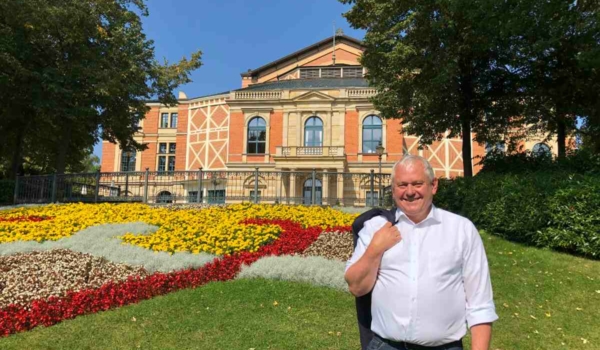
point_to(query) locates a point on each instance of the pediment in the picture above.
(314, 96)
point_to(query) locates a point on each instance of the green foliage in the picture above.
(574, 222)
(69, 68)
(555, 210)
(577, 162)
(441, 66)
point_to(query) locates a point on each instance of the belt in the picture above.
(408, 346)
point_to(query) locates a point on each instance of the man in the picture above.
(429, 274)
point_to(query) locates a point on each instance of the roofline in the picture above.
(308, 48)
(183, 100)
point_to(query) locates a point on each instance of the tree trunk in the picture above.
(17, 159)
(561, 137)
(466, 148)
(64, 143)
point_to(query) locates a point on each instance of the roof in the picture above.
(341, 38)
(300, 84)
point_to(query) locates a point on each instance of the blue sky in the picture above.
(237, 35)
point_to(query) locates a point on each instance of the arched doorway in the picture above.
(164, 197)
(307, 192)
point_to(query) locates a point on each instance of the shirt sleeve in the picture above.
(364, 238)
(477, 283)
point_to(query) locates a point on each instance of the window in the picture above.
(174, 117)
(162, 148)
(331, 72)
(164, 120)
(164, 197)
(353, 72)
(216, 196)
(162, 163)
(310, 73)
(192, 196)
(541, 150)
(372, 132)
(372, 198)
(307, 192)
(166, 158)
(257, 136)
(171, 163)
(128, 159)
(313, 132)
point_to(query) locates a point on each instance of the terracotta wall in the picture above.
(108, 157)
(275, 133)
(236, 136)
(351, 136)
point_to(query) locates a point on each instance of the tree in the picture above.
(441, 66)
(69, 68)
(558, 51)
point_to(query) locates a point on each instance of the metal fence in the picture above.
(209, 187)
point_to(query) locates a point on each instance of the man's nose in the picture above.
(410, 190)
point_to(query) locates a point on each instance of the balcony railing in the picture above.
(293, 151)
(257, 95)
(361, 93)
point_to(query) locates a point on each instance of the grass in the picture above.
(545, 299)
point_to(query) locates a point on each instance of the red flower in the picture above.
(293, 239)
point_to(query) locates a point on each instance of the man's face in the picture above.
(413, 191)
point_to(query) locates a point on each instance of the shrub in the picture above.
(574, 221)
(576, 162)
(554, 210)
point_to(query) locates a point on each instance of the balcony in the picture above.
(257, 95)
(293, 151)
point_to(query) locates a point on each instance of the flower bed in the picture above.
(293, 230)
(217, 230)
(32, 218)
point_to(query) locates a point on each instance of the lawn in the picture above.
(545, 299)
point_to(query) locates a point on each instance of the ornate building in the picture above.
(308, 110)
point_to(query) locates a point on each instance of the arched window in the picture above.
(257, 136)
(372, 134)
(307, 192)
(541, 149)
(128, 159)
(313, 132)
(164, 197)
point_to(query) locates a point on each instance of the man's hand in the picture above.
(387, 237)
(361, 276)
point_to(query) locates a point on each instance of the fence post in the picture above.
(126, 183)
(53, 195)
(372, 187)
(313, 192)
(97, 190)
(199, 194)
(16, 189)
(380, 196)
(146, 176)
(256, 185)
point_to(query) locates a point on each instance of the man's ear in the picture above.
(434, 184)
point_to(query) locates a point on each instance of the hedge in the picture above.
(556, 210)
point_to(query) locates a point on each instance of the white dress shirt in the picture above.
(433, 283)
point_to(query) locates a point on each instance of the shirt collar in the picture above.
(433, 216)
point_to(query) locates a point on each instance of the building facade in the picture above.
(307, 111)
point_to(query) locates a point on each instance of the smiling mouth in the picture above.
(410, 200)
